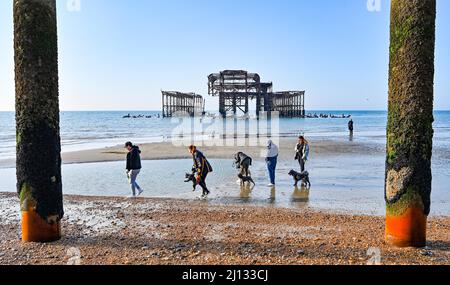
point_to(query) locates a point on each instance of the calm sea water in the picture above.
(88, 130)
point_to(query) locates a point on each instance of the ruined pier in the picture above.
(236, 88)
(182, 104)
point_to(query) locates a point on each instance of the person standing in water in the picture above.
(350, 126)
(133, 167)
(302, 152)
(202, 168)
(271, 160)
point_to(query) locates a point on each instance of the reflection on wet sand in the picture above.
(300, 197)
(273, 192)
(246, 190)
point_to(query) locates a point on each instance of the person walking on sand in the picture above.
(202, 168)
(271, 160)
(133, 168)
(302, 152)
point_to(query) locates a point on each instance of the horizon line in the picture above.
(312, 110)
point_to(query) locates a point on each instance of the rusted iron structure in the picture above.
(235, 88)
(178, 103)
(289, 104)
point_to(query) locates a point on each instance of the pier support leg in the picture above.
(37, 120)
(410, 129)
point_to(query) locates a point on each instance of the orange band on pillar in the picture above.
(36, 229)
(407, 230)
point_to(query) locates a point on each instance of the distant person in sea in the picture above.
(133, 168)
(202, 167)
(351, 126)
(271, 160)
(302, 152)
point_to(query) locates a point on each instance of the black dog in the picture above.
(245, 179)
(190, 177)
(304, 177)
(243, 162)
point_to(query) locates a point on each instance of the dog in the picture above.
(245, 179)
(190, 177)
(243, 162)
(304, 177)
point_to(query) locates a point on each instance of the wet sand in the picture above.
(164, 231)
(346, 176)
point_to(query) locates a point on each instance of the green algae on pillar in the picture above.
(410, 121)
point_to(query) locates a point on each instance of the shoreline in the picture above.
(169, 231)
(220, 203)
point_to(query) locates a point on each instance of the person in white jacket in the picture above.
(302, 152)
(271, 160)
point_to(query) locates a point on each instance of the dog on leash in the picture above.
(304, 177)
(246, 179)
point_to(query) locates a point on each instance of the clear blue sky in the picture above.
(118, 55)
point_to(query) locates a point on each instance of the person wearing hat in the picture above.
(133, 167)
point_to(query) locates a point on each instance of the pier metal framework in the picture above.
(235, 88)
(174, 102)
(289, 104)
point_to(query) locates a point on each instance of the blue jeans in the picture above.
(132, 176)
(272, 166)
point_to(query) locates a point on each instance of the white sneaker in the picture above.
(140, 191)
(270, 185)
(130, 197)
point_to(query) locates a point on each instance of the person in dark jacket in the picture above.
(202, 167)
(351, 126)
(133, 168)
